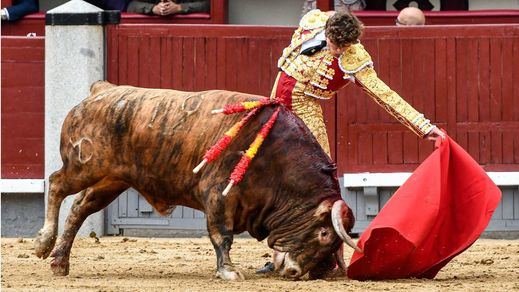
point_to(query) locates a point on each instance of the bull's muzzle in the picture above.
(286, 266)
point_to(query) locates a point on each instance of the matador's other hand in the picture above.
(435, 134)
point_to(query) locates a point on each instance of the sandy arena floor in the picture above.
(144, 264)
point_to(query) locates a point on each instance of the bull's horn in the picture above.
(338, 210)
(217, 111)
(198, 167)
(339, 257)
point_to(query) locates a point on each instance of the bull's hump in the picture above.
(99, 86)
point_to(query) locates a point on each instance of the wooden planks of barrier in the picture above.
(461, 77)
(22, 107)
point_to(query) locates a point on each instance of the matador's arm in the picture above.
(392, 102)
(357, 64)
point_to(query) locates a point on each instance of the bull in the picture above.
(151, 139)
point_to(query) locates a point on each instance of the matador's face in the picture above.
(334, 49)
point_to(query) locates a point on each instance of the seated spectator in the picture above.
(410, 16)
(168, 7)
(19, 9)
(421, 4)
(110, 4)
(339, 5)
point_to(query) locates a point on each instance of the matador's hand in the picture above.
(435, 134)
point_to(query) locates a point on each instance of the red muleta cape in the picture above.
(435, 215)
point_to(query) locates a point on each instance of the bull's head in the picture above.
(318, 249)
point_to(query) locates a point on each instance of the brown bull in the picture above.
(151, 139)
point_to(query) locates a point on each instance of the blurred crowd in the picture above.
(20, 8)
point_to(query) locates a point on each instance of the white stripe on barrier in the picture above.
(395, 179)
(22, 185)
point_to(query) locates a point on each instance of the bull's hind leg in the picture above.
(86, 203)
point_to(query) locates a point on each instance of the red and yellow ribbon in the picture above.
(222, 144)
(239, 170)
(245, 106)
(241, 167)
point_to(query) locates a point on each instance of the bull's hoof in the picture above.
(44, 243)
(60, 266)
(228, 274)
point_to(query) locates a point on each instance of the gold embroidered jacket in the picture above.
(321, 75)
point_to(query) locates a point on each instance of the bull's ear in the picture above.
(274, 244)
(324, 209)
(282, 248)
(271, 242)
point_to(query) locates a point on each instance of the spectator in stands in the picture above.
(19, 9)
(422, 4)
(410, 16)
(340, 5)
(168, 7)
(110, 4)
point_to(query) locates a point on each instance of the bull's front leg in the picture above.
(220, 227)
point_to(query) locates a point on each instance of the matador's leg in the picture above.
(312, 115)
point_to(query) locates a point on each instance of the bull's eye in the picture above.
(325, 236)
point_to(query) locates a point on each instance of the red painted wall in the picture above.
(462, 78)
(22, 107)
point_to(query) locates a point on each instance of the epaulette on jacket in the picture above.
(354, 59)
(310, 25)
(313, 19)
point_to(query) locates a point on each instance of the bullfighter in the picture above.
(324, 55)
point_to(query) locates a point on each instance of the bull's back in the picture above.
(134, 132)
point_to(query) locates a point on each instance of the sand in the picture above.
(150, 264)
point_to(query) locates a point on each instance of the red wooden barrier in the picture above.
(463, 78)
(22, 107)
(460, 77)
(32, 23)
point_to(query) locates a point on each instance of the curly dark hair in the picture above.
(343, 28)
